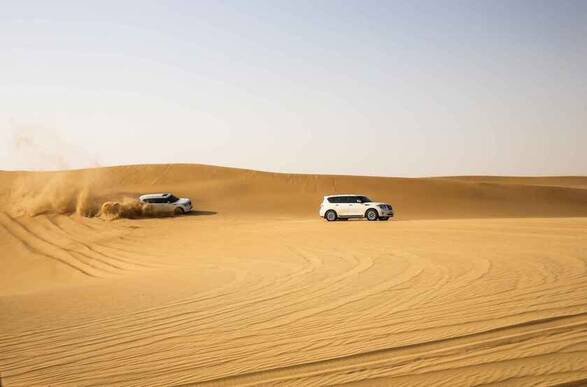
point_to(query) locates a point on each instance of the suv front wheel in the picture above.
(372, 214)
(330, 215)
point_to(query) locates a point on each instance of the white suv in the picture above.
(166, 202)
(343, 207)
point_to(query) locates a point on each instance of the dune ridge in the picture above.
(238, 191)
(479, 281)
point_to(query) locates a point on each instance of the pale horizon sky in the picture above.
(387, 88)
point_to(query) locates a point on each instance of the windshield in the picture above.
(172, 199)
(363, 199)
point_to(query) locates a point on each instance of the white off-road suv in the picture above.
(166, 202)
(343, 207)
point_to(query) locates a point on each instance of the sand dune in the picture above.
(231, 191)
(480, 280)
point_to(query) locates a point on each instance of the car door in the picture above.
(169, 207)
(345, 206)
(160, 205)
(354, 206)
(362, 205)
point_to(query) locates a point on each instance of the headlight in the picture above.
(382, 206)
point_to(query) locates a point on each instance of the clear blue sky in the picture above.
(396, 88)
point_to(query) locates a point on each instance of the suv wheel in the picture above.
(178, 211)
(330, 215)
(372, 214)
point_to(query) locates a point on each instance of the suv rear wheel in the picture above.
(372, 214)
(330, 215)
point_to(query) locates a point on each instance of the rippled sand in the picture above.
(258, 292)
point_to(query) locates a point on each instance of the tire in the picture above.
(372, 214)
(384, 218)
(330, 215)
(178, 211)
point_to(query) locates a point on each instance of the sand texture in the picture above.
(478, 281)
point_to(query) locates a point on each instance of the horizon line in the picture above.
(279, 172)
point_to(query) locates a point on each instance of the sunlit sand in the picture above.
(478, 280)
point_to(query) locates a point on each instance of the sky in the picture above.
(387, 88)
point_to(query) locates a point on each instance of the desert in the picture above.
(293, 193)
(476, 281)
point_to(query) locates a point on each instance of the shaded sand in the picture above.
(480, 280)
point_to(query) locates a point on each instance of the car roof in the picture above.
(338, 195)
(155, 195)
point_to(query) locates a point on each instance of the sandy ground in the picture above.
(479, 280)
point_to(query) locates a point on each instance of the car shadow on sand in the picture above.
(200, 213)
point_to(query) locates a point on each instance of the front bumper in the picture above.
(387, 213)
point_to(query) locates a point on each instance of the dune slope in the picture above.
(236, 191)
(481, 280)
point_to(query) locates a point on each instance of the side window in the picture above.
(350, 199)
(336, 199)
(364, 199)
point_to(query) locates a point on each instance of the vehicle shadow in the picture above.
(200, 213)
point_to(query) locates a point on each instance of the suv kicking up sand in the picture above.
(343, 207)
(166, 202)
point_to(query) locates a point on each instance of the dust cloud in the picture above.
(63, 194)
(41, 147)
